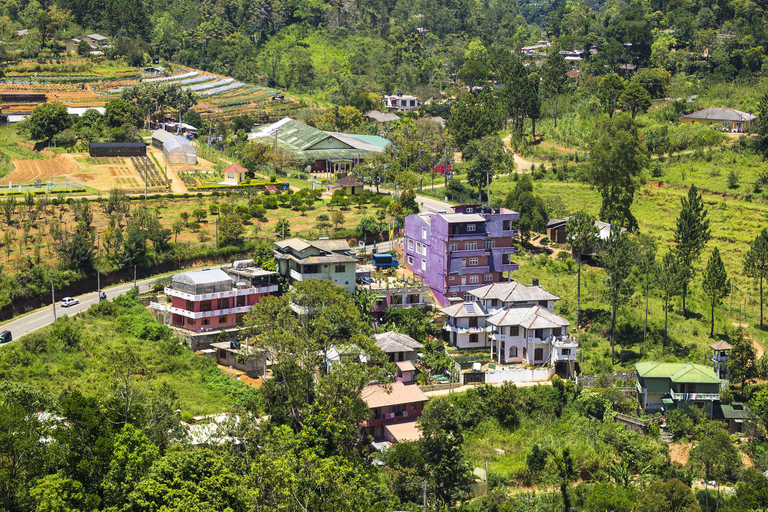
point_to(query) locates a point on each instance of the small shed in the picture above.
(177, 150)
(351, 185)
(234, 174)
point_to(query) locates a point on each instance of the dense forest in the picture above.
(345, 49)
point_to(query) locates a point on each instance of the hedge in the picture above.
(278, 184)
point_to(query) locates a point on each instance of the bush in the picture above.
(679, 424)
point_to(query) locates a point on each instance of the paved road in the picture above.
(426, 204)
(44, 316)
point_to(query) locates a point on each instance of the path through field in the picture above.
(521, 164)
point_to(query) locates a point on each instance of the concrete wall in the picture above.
(519, 375)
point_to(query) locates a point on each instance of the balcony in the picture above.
(199, 314)
(695, 397)
(466, 270)
(461, 253)
(236, 292)
(378, 308)
(465, 330)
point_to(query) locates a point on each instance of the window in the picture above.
(468, 297)
(418, 247)
(473, 338)
(557, 332)
(470, 246)
(223, 319)
(423, 264)
(506, 259)
(424, 233)
(240, 301)
(469, 210)
(223, 304)
(474, 279)
(473, 321)
(471, 227)
(410, 260)
(190, 306)
(418, 406)
(566, 352)
(453, 246)
(473, 262)
(506, 225)
(451, 278)
(513, 352)
(310, 269)
(538, 354)
(514, 330)
(543, 303)
(206, 321)
(488, 277)
(340, 268)
(494, 303)
(205, 305)
(231, 175)
(424, 249)
(190, 321)
(410, 244)
(489, 244)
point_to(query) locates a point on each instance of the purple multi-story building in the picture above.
(454, 253)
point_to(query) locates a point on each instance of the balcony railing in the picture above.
(235, 292)
(464, 330)
(689, 397)
(384, 307)
(199, 314)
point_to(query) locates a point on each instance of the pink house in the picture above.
(395, 411)
(208, 300)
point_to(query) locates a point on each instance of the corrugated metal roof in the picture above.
(721, 114)
(392, 341)
(454, 218)
(461, 310)
(202, 276)
(678, 372)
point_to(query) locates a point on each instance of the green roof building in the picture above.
(673, 385)
(328, 151)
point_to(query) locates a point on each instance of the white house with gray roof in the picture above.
(300, 260)
(497, 296)
(532, 335)
(466, 326)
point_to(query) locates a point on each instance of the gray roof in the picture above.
(604, 228)
(381, 117)
(392, 341)
(299, 244)
(454, 218)
(534, 317)
(97, 37)
(513, 292)
(721, 114)
(202, 276)
(465, 310)
(163, 135)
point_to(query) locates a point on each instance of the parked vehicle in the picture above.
(69, 301)
(5, 337)
(385, 261)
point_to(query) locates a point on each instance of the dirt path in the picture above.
(759, 349)
(521, 164)
(177, 185)
(679, 452)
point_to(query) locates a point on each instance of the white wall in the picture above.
(519, 375)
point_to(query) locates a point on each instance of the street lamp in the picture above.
(53, 298)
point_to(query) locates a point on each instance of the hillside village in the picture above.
(369, 257)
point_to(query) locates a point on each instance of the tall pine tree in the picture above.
(617, 256)
(691, 235)
(756, 264)
(669, 278)
(716, 285)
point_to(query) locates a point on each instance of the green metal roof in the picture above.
(678, 372)
(373, 139)
(735, 411)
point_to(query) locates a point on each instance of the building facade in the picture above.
(672, 385)
(454, 253)
(401, 102)
(505, 295)
(208, 300)
(466, 326)
(332, 260)
(394, 411)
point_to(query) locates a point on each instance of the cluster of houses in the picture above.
(460, 263)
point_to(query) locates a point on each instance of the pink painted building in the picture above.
(209, 300)
(394, 411)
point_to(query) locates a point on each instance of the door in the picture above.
(463, 280)
(538, 354)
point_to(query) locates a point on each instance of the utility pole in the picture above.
(98, 254)
(425, 495)
(134, 278)
(53, 298)
(488, 186)
(216, 225)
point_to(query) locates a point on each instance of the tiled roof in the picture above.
(513, 291)
(534, 317)
(407, 431)
(377, 395)
(392, 341)
(678, 372)
(235, 168)
(405, 366)
(720, 345)
(349, 181)
(465, 310)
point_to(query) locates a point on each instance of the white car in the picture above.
(69, 301)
